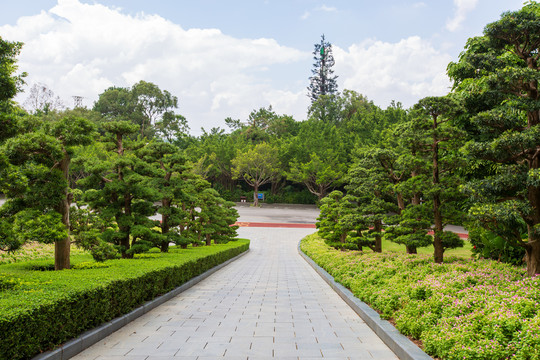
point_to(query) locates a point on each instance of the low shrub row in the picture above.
(42, 309)
(461, 309)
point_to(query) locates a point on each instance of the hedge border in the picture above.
(91, 337)
(404, 348)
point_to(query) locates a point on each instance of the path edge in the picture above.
(404, 348)
(91, 337)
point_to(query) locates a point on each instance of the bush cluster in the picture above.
(42, 309)
(460, 309)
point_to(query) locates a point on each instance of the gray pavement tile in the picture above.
(269, 304)
(165, 351)
(215, 349)
(272, 358)
(325, 357)
(127, 344)
(121, 357)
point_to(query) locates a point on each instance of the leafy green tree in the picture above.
(257, 165)
(319, 158)
(372, 186)
(409, 172)
(498, 76)
(323, 82)
(116, 190)
(216, 217)
(146, 105)
(441, 139)
(10, 83)
(115, 104)
(362, 123)
(327, 108)
(41, 161)
(154, 104)
(213, 153)
(167, 173)
(336, 221)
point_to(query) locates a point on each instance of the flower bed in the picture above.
(40, 309)
(461, 309)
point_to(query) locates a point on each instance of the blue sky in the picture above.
(226, 58)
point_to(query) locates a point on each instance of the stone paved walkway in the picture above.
(268, 304)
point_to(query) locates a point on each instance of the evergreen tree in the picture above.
(498, 75)
(323, 82)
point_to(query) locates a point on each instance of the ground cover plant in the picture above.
(40, 309)
(459, 309)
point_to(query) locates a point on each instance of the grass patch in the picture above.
(464, 252)
(36, 251)
(42, 309)
(461, 309)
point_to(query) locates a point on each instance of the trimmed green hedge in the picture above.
(42, 309)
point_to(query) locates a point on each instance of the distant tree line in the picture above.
(470, 157)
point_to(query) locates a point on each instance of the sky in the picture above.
(227, 58)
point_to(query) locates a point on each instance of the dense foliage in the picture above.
(459, 309)
(41, 309)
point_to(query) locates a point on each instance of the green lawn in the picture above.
(464, 252)
(37, 251)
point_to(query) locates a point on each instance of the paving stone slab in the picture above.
(268, 304)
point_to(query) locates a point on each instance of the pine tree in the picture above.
(323, 82)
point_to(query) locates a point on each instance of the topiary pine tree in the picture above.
(323, 82)
(498, 74)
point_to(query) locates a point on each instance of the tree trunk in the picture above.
(411, 249)
(322, 192)
(62, 247)
(378, 238)
(256, 195)
(208, 240)
(400, 202)
(124, 242)
(416, 196)
(437, 216)
(532, 257)
(276, 186)
(532, 248)
(165, 203)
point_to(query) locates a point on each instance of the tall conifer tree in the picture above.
(323, 82)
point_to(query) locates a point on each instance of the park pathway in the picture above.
(268, 304)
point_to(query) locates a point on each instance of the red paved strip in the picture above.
(275, 225)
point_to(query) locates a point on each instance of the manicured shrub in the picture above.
(460, 309)
(42, 309)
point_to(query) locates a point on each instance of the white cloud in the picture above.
(327, 8)
(81, 49)
(404, 71)
(462, 7)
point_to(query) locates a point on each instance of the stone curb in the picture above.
(404, 348)
(90, 337)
